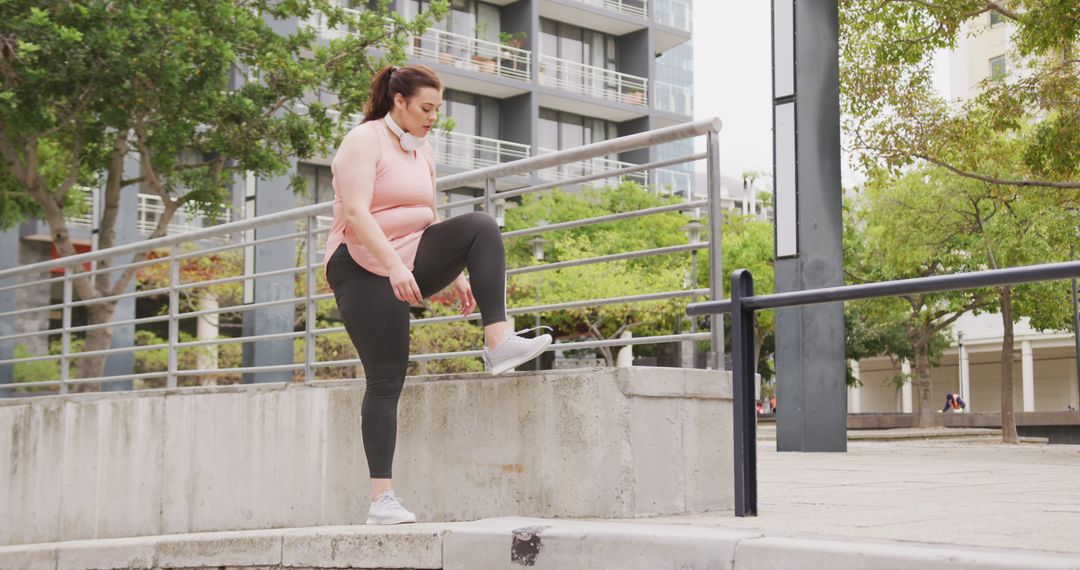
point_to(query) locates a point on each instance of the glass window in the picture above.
(570, 45)
(573, 131)
(487, 22)
(997, 67)
(319, 179)
(995, 17)
(549, 129)
(549, 38)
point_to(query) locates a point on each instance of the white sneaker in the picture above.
(515, 350)
(388, 509)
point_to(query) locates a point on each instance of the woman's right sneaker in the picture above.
(388, 509)
(515, 350)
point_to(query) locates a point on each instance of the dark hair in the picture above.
(393, 79)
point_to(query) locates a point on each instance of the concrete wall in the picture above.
(623, 442)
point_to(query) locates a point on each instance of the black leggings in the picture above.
(378, 323)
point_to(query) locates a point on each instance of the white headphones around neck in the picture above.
(409, 142)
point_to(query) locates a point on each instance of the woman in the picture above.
(387, 249)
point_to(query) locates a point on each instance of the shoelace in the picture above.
(393, 503)
(532, 329)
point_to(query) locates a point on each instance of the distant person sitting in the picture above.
(954, 403)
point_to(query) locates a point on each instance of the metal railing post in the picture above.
(716, 266)
(174, 312)
(744, 406)
(309, 304)
(489, 196)
(65, 334)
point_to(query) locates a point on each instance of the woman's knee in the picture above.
(482, 221)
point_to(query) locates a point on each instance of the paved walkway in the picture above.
(974, 493)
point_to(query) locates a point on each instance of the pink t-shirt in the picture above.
(401, 202)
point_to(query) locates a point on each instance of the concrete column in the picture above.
(207, 329)
(1028, 375)
(854, 395)
(625, 357)
(965, 377)
(273, 195)
(126, 232)
(905, 392)
(9, 257)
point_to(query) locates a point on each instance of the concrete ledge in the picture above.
(609, 443)
(515, 542)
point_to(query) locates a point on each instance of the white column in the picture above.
(854, 395)
(625, 356)
(965, 377)
(206, 328)
(905, 393)
(1029, 376)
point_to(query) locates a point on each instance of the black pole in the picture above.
(744, 406)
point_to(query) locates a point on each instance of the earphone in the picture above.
(409, 142)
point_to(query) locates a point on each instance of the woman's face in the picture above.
(418, 114)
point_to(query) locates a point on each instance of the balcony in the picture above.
(594, 82)
(149, 211)
(676, 22)
(637, 8)
(615, 17)
(673, 98)
(468, 152)
(472, 54)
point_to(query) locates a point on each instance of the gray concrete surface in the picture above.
(883, 504)
(978, 494)
(624, 443)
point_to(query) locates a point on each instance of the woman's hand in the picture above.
(464, 291)
(404, 285)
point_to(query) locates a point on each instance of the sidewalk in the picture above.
(883, 504)
(973, 493)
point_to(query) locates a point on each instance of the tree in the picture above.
(894, 117)
(197, 92)
(594, 281)
(901, 242)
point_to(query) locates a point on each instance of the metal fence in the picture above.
(307, 225)
(743, 303)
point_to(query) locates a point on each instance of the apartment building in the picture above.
(1044, 363)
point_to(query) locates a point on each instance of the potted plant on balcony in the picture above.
(514, 40)
(634, 95)
(480, 61)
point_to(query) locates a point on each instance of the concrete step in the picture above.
(513, 542)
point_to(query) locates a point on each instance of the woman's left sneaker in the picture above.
(388, 509)
(515, 350)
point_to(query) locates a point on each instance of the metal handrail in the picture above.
(308, 218)
(743, 303)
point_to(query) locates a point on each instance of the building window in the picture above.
(580, 45)
(997, 67)
(320, 187)
(995, 18)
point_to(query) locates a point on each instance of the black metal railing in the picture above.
(743, 303)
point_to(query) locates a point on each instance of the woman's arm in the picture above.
(354, 168)
(430, 152)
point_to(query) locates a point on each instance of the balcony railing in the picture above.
(637, 8)
(150, 209)
(593, 81)
(473, 54)
(470, 151)
(674, 98)
(674, 13)
(588, 168)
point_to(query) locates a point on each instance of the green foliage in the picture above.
(895, 117)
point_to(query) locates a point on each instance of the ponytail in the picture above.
(393, 79)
